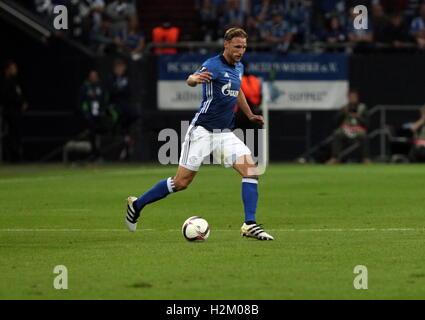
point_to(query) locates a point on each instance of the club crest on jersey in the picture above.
(225, 90)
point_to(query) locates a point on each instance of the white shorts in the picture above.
(199, 143)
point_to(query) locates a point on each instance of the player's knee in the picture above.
(251, 172)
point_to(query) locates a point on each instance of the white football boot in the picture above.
(255, 231)
(132, 215)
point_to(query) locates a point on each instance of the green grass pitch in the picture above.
(326, 220)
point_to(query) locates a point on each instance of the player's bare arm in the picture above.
(197, 78)
(243, 104)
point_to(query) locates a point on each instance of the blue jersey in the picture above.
(219, 95)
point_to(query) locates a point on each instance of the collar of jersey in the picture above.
(225, 62)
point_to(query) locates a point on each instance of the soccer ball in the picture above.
(196, 229)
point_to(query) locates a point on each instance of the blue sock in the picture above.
(250, 198)
(160, 191)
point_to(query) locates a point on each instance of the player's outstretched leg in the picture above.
(135, 205)
(162, 189)
(249, 172)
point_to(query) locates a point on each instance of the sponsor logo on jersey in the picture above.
(225, 90)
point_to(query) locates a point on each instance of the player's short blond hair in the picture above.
(235, 33)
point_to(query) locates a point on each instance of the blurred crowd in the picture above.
(281, 23)
(101, 24)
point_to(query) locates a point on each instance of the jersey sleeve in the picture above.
(208, 66)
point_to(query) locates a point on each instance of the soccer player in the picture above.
(221, 78)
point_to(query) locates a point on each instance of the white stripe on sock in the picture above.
(170, 185)
(250, 180)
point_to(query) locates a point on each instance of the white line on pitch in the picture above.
(68, 230)
(214, 230)
(29, 179)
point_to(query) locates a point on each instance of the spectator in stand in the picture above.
(134, 42)
(299, 14)
(207, 18)
(220, 5)
(323, 10)
(102, 39)
(279, 33)
(253, 29)
(277, 6)
(233, 16)
(166, 33)
(97, 8)
(245, 7)
(417, 153)
(417, 28)
(379, 21)
(334, 34)
(257, 7)
(396, 33)
(262, 12)
(14, 105)
(120, 12)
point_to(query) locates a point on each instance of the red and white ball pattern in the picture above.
(196, 229)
